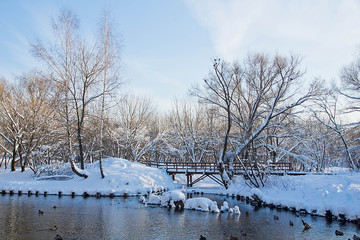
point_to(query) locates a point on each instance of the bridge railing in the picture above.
(181, 166)
(280, 166)
(212, 167)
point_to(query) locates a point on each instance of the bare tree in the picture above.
(83, 89)
(26, 113)
(134, 117)
(61, 60)
(110, 53)
(38, 104)
(318, 142)
(11, 130)
(84, 74)
(254, 96)
(189, 124)
(328, 106)
(220, 90)
(350, 89)
(350, 80)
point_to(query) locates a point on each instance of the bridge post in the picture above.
(189, 180)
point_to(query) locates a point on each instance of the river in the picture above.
(126, 218)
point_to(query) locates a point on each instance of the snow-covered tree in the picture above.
(195, 130)
(131, 131)
(61, 58)
(110, 80)
(350, 84)
(330, 119)
(84, 72)
(254, 97)
(26, 115)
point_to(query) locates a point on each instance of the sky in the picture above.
(168, 46)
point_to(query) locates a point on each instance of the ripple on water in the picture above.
(119, 218)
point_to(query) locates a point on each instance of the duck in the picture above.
(306, 225)
(339, 233)
(276, 217)
(41, 212)
(54, 207)
(202, 237)
(58, 237)
(291, 223)
(243, 233)
(356, 237)
(53, 228)
(233, 237)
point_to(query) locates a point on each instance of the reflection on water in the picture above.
(119, 218)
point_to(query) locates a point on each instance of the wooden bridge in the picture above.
(211, 169)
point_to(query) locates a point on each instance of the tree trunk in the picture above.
(4, 159)
(74, 169)
(22, 163)
(101, 167)
(350, 159)
(13, 161)
(22, 160)
(81, 151)
(103, 96)
(221, 165)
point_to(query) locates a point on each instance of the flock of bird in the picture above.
(54, 228)
(291, 223)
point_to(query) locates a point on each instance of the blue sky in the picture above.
(168, 45)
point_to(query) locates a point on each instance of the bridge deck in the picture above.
(211, 169)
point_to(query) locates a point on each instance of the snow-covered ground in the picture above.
(339, 193)
(122, 177)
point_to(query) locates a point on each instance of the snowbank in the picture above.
(122, 178)
(165, 199)
(338, 193)
(153, 200)
(172, 196)
(224, 207)
(201, 204)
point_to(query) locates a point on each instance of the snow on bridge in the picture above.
(211, 169)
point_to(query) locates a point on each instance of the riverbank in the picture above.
(123, 178)
(338, 193)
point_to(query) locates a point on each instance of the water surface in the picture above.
(126, 218)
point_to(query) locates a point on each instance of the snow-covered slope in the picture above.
(338, 193)
(122, 177)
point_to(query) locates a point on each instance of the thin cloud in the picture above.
(41, 16)
(17, 47)
(324, 32)
(226, 21)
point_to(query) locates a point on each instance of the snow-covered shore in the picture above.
(339, 193)
(122, 178)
